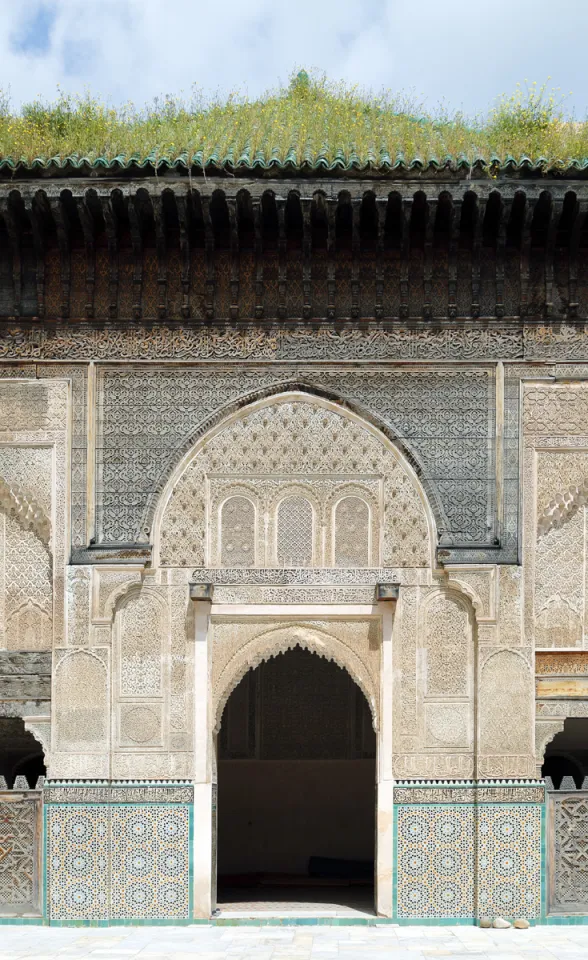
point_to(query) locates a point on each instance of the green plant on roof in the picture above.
(311, 122)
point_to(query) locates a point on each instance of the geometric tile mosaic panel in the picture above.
(18, 851)
(77, 861)
(150, 856)
(435, 861)
(509, 860)
(461, 861)
(118, 861)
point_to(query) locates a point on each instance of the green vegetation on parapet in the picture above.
(311, 126)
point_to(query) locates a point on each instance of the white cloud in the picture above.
(135, 49)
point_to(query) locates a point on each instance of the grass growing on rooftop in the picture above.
(310, 119)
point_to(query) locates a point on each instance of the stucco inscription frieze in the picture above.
(435, 765)
(370, 341)
(562, 664)
(478, 792)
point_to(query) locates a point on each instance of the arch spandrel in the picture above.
(294, 438)
(241, 644)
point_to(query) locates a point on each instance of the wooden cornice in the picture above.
(305, 249)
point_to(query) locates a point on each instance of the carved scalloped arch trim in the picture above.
(562, 508)
(77, 652)
(451, 592)
(545, 732)
(506, 650)
(279, 640)
(351, 489)
(464, 590)
(115, 599)
(17, 503)
(40, 728)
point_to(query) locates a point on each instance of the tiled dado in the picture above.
(469, 855)
(127, 858)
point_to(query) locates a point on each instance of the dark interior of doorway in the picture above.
(296, 791)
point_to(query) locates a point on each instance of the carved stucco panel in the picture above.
(448, 725)
(545, 731)
(560, 709)
(156, 766)
(34, 477)
(82, 766)
(27, 588)
(152, 682)
(142, 642)
(560, 585)
(405, 638)
(510, 605)
(435, 766)
(140, 724)
(552, 408)
(40, 727)
(24, 405)
(286, 439)
(506, 712)
(181, 647)
(557, 472)
(448, 646)
(78, 584)
(81, 702)
(442, 414)
(554, 526)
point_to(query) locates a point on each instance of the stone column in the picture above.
(387, 595)
(203, 786)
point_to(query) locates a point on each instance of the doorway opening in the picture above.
(296, 791)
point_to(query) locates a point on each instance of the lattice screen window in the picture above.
(352, 533)
(238, 533)
(295, 523)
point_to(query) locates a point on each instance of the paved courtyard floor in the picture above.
(293, 943)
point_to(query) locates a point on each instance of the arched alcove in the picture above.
(296, 767)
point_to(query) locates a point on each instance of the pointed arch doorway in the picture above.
(296, 800)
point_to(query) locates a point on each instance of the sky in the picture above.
(463, 54)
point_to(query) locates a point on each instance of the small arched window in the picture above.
(238, 533)
(295, 523)
(352, 533)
